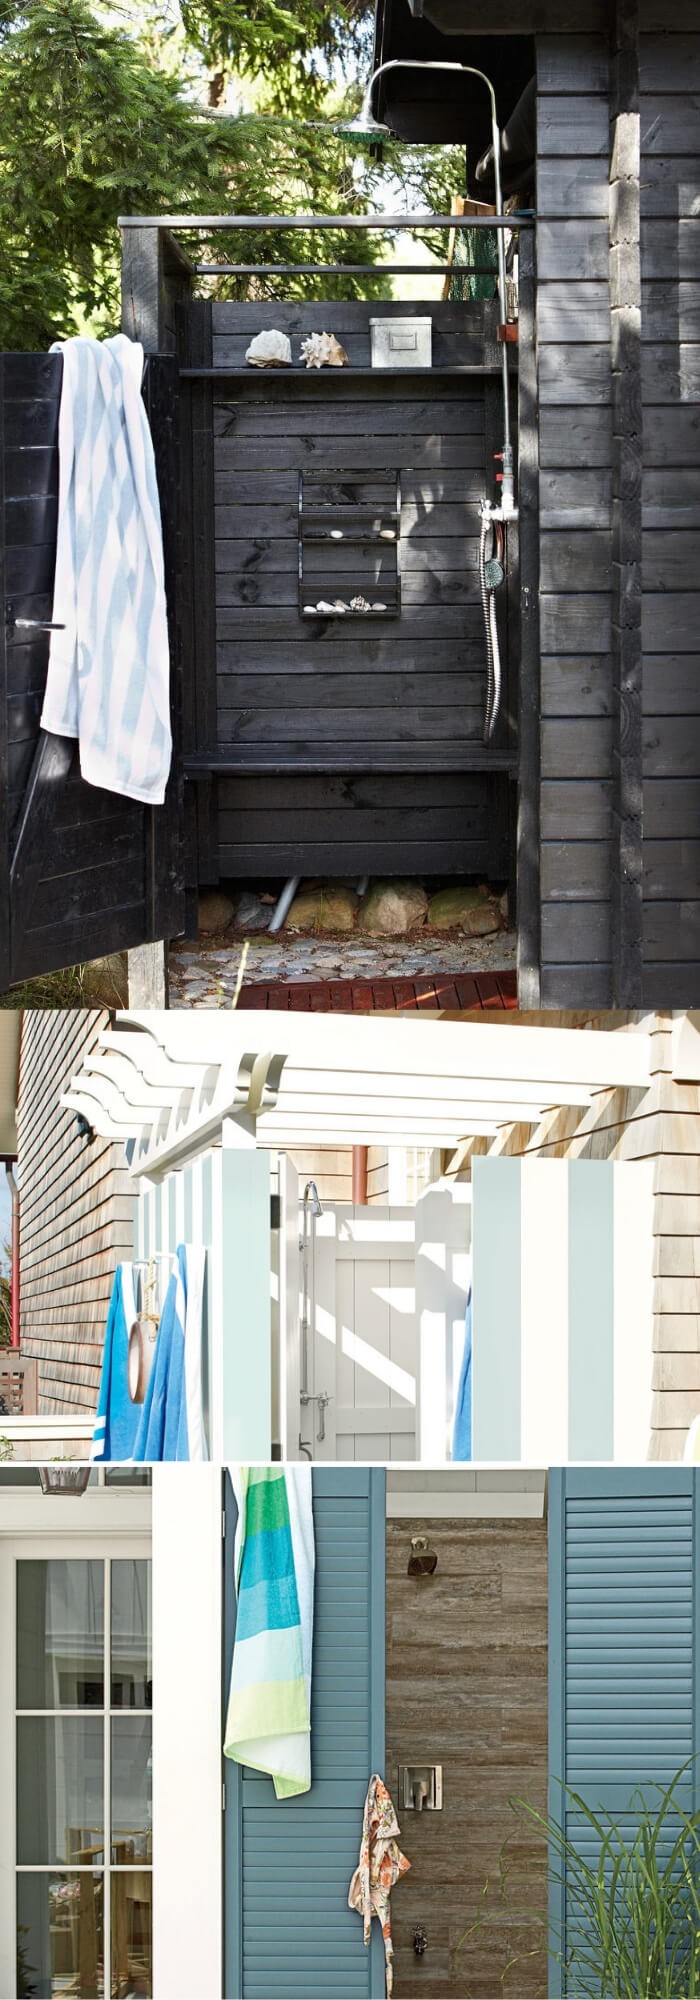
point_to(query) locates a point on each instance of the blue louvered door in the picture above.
(288, 1863)
(624, 1561)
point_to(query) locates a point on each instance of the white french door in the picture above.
(76, 1846)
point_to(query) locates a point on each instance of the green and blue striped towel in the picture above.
(268, 1724)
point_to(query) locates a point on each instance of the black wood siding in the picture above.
(670, 225)
(96, 873)
(574, 375)
(358, 743)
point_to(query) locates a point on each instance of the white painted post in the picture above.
(187, 1732)
(443, 1268)
(242, 1309)
(288, 1308)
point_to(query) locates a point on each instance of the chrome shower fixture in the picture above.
(311, 1199)
(422, 1560)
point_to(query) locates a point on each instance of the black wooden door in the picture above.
(82, 871)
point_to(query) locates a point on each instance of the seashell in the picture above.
(340, 605)
(378, 607)
(323, 606)
(322, 350)
(359, 604)
(270, 349)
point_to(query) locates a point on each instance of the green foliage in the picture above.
(92, 126)
(294, 45)
(633, 1896)
(87, 128)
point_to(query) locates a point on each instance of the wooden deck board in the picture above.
(452, 992)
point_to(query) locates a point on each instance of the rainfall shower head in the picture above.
(422, 1560)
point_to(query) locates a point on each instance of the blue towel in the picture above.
(462, 1433)
(163, 1430)
(117, 1417)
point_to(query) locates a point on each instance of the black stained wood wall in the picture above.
(82, 871)
(356, 746)
(575, 443)
(579, 730)
(670, 236)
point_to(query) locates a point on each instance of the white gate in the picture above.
(364, 1344)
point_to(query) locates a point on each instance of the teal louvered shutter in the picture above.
(624, 1554)
(288, 1862)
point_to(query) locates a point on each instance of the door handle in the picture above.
(30, 624)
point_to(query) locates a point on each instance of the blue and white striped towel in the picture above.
(109, 672)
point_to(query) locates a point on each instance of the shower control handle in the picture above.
(420, 1787)
(323, 1400)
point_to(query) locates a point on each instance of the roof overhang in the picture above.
(429, 108)
(171, 1081)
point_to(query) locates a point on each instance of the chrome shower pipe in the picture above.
(367, 122)
(311, 1206)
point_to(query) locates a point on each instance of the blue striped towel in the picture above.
(268, 1723)
(109, 672)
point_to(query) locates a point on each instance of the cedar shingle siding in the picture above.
(76, 1215)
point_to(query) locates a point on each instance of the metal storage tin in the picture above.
(401, 343)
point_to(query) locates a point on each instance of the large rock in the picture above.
(482, 921)
(449, 908)
(390, 909)
(251, 913)
(332, 908)
(215, 911)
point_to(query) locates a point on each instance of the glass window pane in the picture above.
(60, 1634)
(60, 1788)
(131, 1788)
(59, 1936)
(131, 1634)
(131, 1935)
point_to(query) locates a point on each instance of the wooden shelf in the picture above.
(352, 760)
(314, 375)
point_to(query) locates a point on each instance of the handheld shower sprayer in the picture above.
(495, 513)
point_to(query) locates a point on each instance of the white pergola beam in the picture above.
(463, 1049)
(171, 1081)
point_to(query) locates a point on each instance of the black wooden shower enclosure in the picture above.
(303, 744)
(346, 745)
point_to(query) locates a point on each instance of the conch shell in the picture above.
(270, 349)
(322, 350)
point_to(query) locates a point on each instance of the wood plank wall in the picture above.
(401, 702)
(584, 728)
(670, 228)
(574, 373)
(76, 1215)
(466, 1687)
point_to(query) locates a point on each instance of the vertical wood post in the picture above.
(144, 319)
(625, 322)
(528, 824)
(242, 1317)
